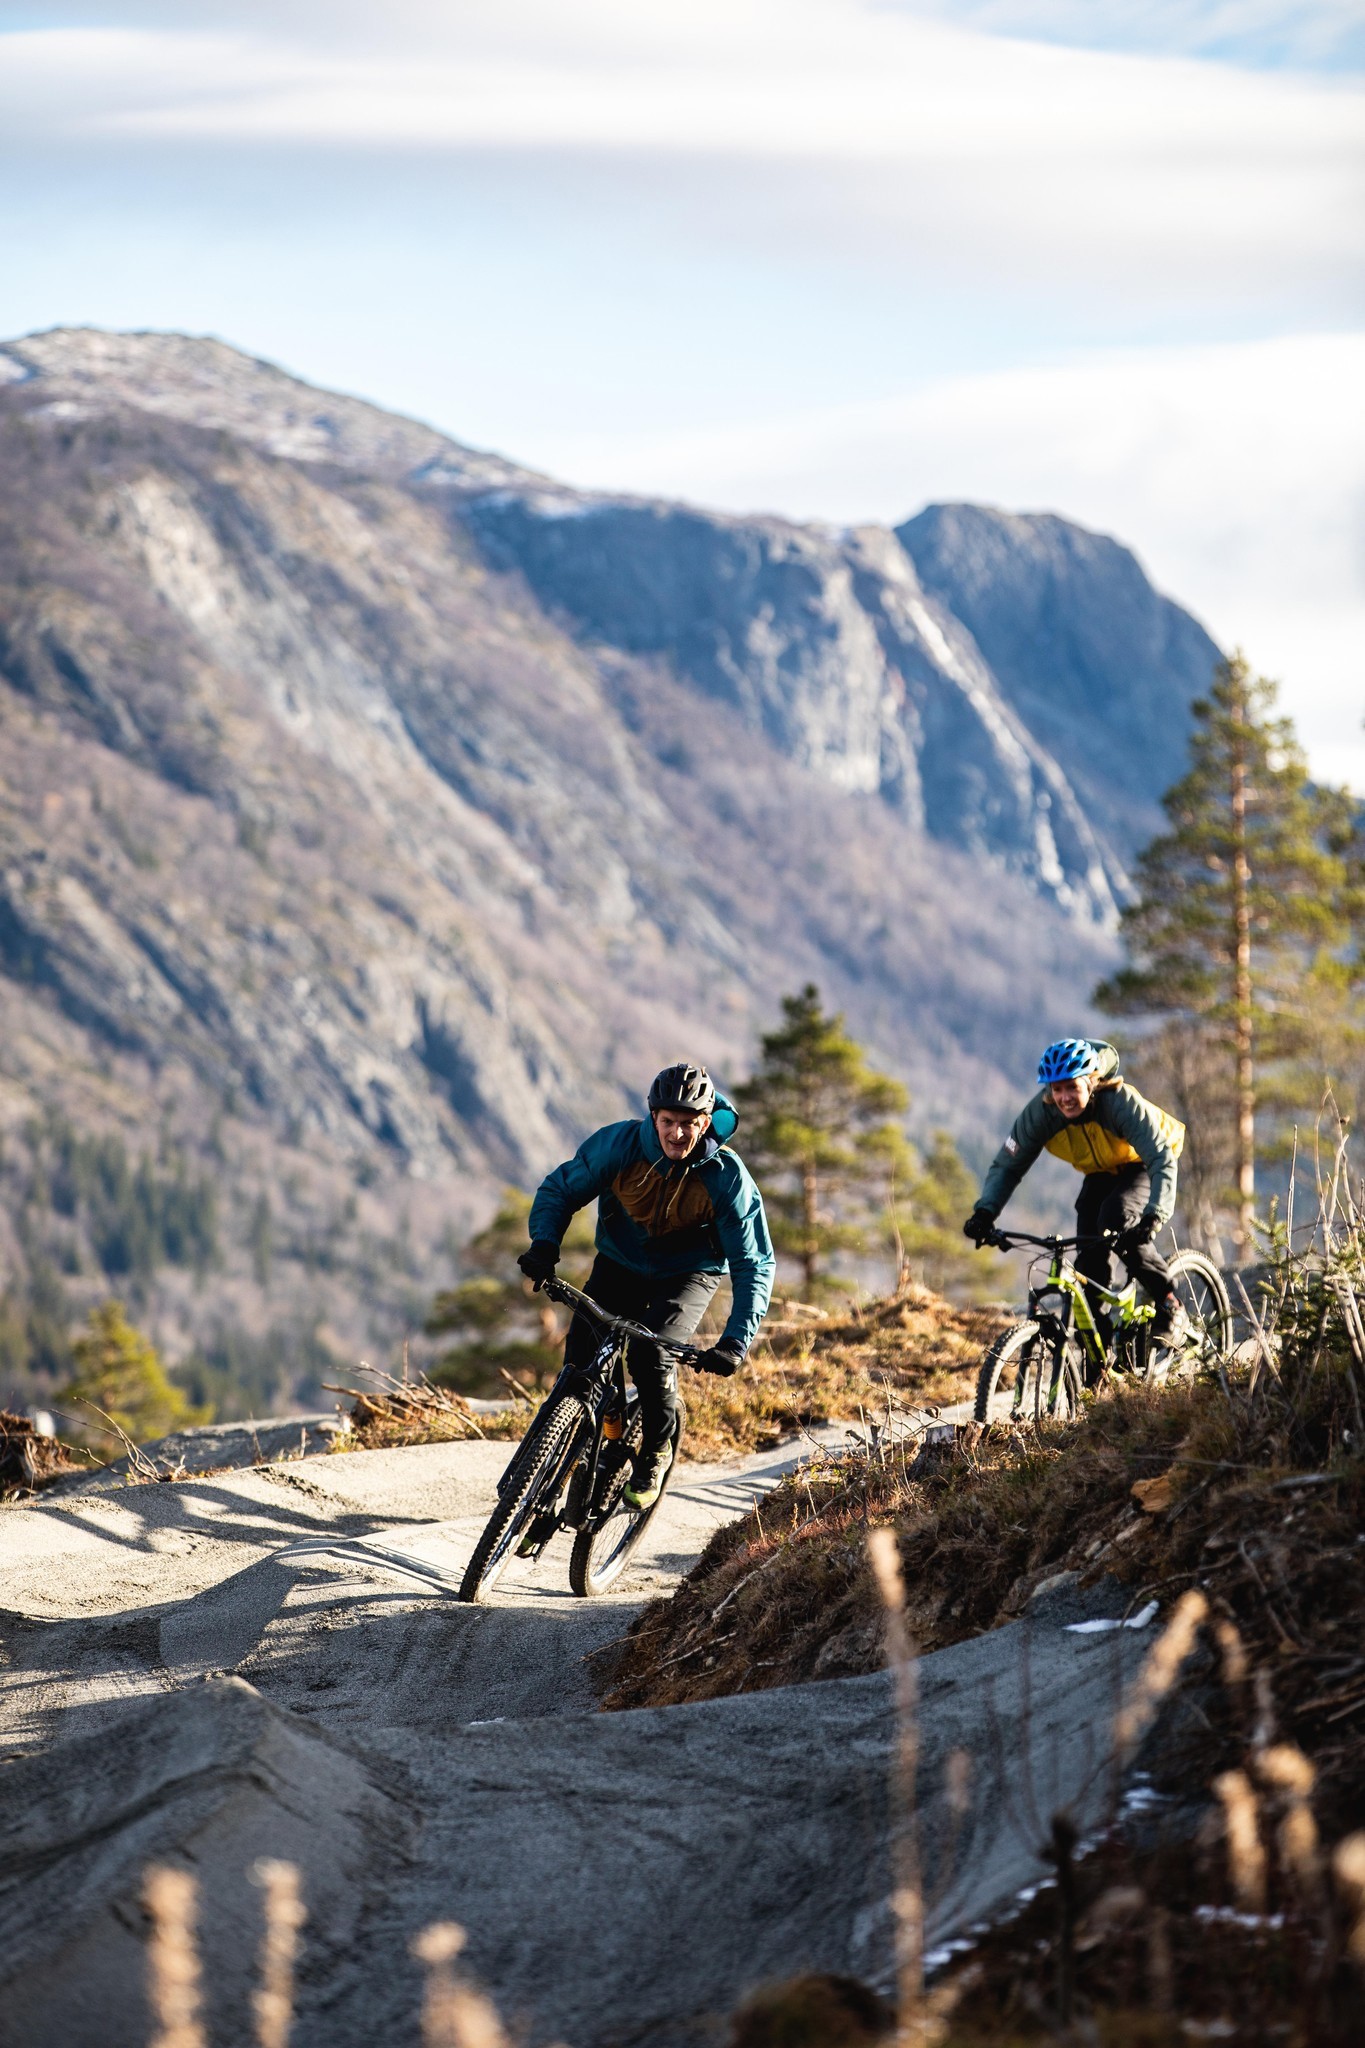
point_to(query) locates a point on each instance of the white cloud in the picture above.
(1238, 473)
(1156, 183)
(798, 78)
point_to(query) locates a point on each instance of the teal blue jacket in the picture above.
(657, 1217)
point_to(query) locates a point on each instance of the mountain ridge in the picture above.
(376, 815)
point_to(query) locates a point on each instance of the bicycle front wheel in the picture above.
(1027, 1377)
(602, 1550)
(1204, 1295)
(536, 1468)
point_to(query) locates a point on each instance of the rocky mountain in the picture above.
(375, 815)
(1094, 661)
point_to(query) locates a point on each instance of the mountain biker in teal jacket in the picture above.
(675, 1208)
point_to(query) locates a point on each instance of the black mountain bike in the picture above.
(571, 1468)
(1038, 1367)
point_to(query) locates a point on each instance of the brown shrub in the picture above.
(810, 1367)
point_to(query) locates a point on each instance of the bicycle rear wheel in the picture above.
(538, 1465)
(602, 1550)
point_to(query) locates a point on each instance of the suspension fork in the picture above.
(612, 1384)
(1086, 1327)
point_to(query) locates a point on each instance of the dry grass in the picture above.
(1163, 1952)
(396, 1413)
(1256, 1494)
(811, 1367)
(1241, 1503)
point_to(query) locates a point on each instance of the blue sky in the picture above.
(829, 257)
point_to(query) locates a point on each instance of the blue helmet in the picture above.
(1067, 1059)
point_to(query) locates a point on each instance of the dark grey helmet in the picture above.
(685, 1087)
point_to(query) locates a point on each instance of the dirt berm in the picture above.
(272, 1663)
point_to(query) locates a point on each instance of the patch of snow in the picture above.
(1094, 1628)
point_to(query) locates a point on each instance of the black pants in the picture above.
(1111, 1201)
(672, 1306)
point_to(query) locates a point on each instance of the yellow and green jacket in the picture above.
(702, 1215)
(1118, 1128)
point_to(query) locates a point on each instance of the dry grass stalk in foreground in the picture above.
(454, 2014)
(273, 2002)
(171, 1898)
(907, 1897)
(1160, 1669)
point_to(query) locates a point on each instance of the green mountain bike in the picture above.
(571, 1469)
(1039, 1366)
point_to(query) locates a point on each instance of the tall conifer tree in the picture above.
(819, 1130)
(1234, 902)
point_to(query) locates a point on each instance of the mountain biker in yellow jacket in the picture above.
(1127, 1150)
(676, 1208)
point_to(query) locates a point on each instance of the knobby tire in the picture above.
(1014, 1350)
(531, 1467)
(1203, 1291)
(1043, 1381)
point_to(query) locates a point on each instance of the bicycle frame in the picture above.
(570, 1469)
(599, 1386)
(1063, 1279)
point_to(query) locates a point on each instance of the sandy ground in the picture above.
(273, 1662)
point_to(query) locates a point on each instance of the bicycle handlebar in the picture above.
(573, 1297)
(1005, 1241)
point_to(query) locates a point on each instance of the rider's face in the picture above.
(679, 1132)
(1071, 1097)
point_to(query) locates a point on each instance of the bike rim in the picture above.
(612, 1543)
(1203, 1305)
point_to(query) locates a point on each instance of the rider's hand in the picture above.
(1136, 1235)
(723, 1359)
(979, 1227)
(538, 1262)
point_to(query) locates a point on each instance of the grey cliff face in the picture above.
(375, 816)
(1097, 663)
(828, 645)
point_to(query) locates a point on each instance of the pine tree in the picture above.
(1236, 903)
(119, 1374)
(499, 1324)
(925, 1222)
(818, 1128)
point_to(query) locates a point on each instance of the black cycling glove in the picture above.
(1137, 1235)
(979, 1227)
(538, 1261)
(723, 1359)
